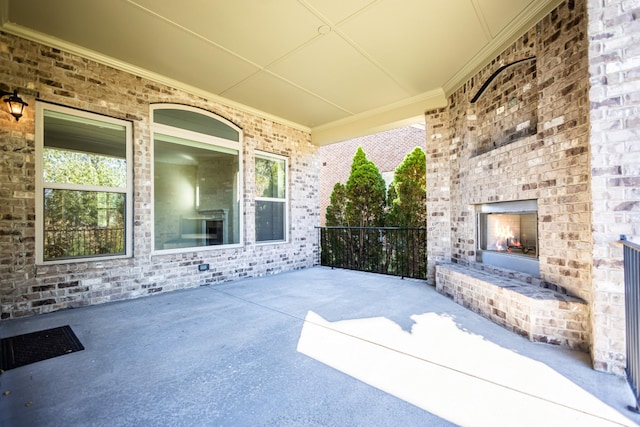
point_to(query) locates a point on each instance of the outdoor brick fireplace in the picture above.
(508, 195)
(508, 235)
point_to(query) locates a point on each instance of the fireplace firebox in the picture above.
(508, 235)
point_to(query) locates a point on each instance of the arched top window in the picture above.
(195, 120)
(197, 179)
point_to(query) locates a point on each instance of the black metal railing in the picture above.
(631, 257)
(387, 250)
(83, 241)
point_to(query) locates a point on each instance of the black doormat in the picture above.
(29, 348)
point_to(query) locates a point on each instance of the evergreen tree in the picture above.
(365, 193)
(359, 203)
(407, 193)
(336, 214)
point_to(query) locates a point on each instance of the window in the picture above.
(84, 187)
(197, 179)
(271, 198)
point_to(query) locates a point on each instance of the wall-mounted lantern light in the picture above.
(14, 102)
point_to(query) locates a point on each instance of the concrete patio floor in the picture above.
(315, 347)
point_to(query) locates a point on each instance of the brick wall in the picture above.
(486, 152)
(386, 149)
(539, 314)
(438, 155)
(614, 67)
(51, 75)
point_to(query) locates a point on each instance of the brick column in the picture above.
(438, 190)
(614, 67)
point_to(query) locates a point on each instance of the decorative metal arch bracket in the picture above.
(495, 74)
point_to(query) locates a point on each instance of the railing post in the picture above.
(631, 261)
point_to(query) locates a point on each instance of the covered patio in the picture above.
(530, 113)
(312, 347)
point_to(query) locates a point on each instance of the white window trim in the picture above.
(40, 185)
(158, 128)
(269, 156)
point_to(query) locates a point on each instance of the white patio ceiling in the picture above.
(337, 68)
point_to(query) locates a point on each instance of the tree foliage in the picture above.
(83, 222)
(336, 214)
(361, 202)
(407, 193)
(270, 176)
(365, 192)
(73, 167)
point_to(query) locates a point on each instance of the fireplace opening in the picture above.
(508, 235)
(511, 233)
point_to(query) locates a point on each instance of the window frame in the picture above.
(258, 154)
(214, 141)
(40, 186)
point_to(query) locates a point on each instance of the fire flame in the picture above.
(505, 238)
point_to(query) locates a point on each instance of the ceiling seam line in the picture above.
(259, 67)
(193, 33)
(211, 42)
(297, 86)
(326, 20)
(483, 21)
(335, 28)
(375, 63)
